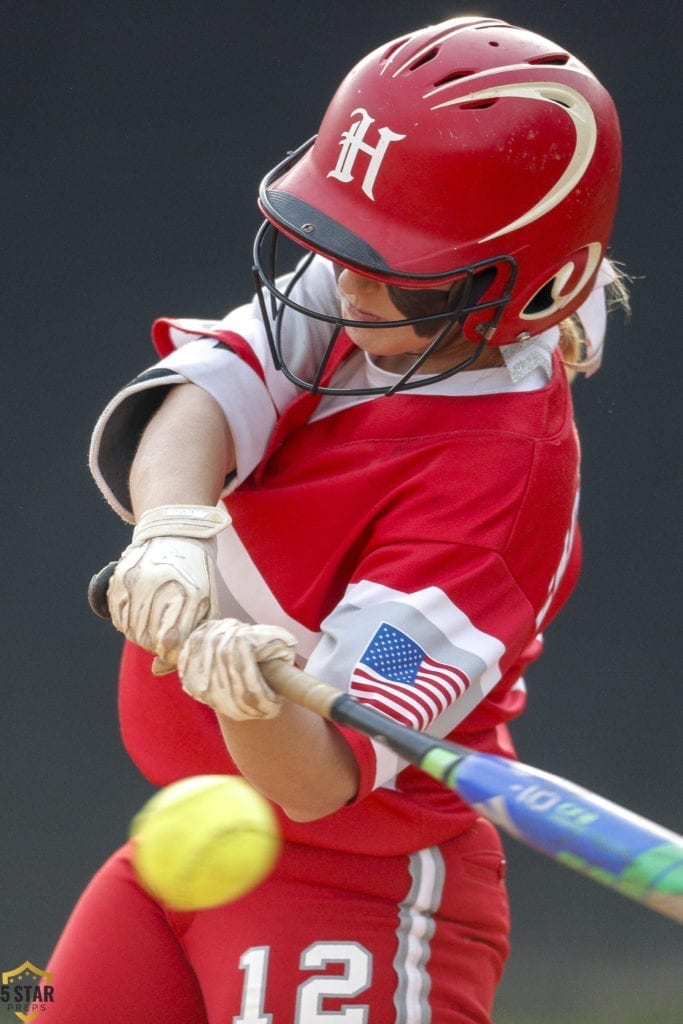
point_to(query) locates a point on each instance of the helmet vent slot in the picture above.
(391, 50)
(478, 104)
(556, 59)
(423, 59)
(454, 76)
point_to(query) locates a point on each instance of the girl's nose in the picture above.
(352, 283)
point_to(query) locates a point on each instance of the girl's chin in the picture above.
(376, 345)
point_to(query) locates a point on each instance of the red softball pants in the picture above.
(329, 938)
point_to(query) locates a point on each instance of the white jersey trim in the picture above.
(253, 595)
(246, 403)
(430, 616)
(433, 604)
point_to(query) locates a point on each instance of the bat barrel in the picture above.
(586, 832)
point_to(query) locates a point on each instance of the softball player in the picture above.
(377, 459)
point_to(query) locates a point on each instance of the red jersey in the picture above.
(416, 545)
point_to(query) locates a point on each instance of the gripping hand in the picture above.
(164, 584)
(219, 666)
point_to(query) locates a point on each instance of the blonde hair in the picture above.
(572, 345)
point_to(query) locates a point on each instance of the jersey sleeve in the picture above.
(231, 360)
(415, 653)
(237, 387)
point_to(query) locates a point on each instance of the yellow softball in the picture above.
(204, 841)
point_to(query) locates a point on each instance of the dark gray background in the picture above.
(133, 139)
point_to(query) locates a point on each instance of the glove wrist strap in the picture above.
(199, 521)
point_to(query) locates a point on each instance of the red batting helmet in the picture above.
(469, 146)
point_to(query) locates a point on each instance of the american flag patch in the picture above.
(396, 676)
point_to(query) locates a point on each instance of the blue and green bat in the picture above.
(586, 832)
(619, 849)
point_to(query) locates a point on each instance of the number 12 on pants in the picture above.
(311, 994)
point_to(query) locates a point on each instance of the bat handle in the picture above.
(299, 687)
(97, 591)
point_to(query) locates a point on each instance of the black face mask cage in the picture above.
(274, 302)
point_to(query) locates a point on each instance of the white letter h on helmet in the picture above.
(353, 142)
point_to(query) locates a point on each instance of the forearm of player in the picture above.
(298, 760)
(184, 454)
(164, 583)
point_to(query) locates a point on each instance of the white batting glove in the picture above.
(219, 666)
(164, 584)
